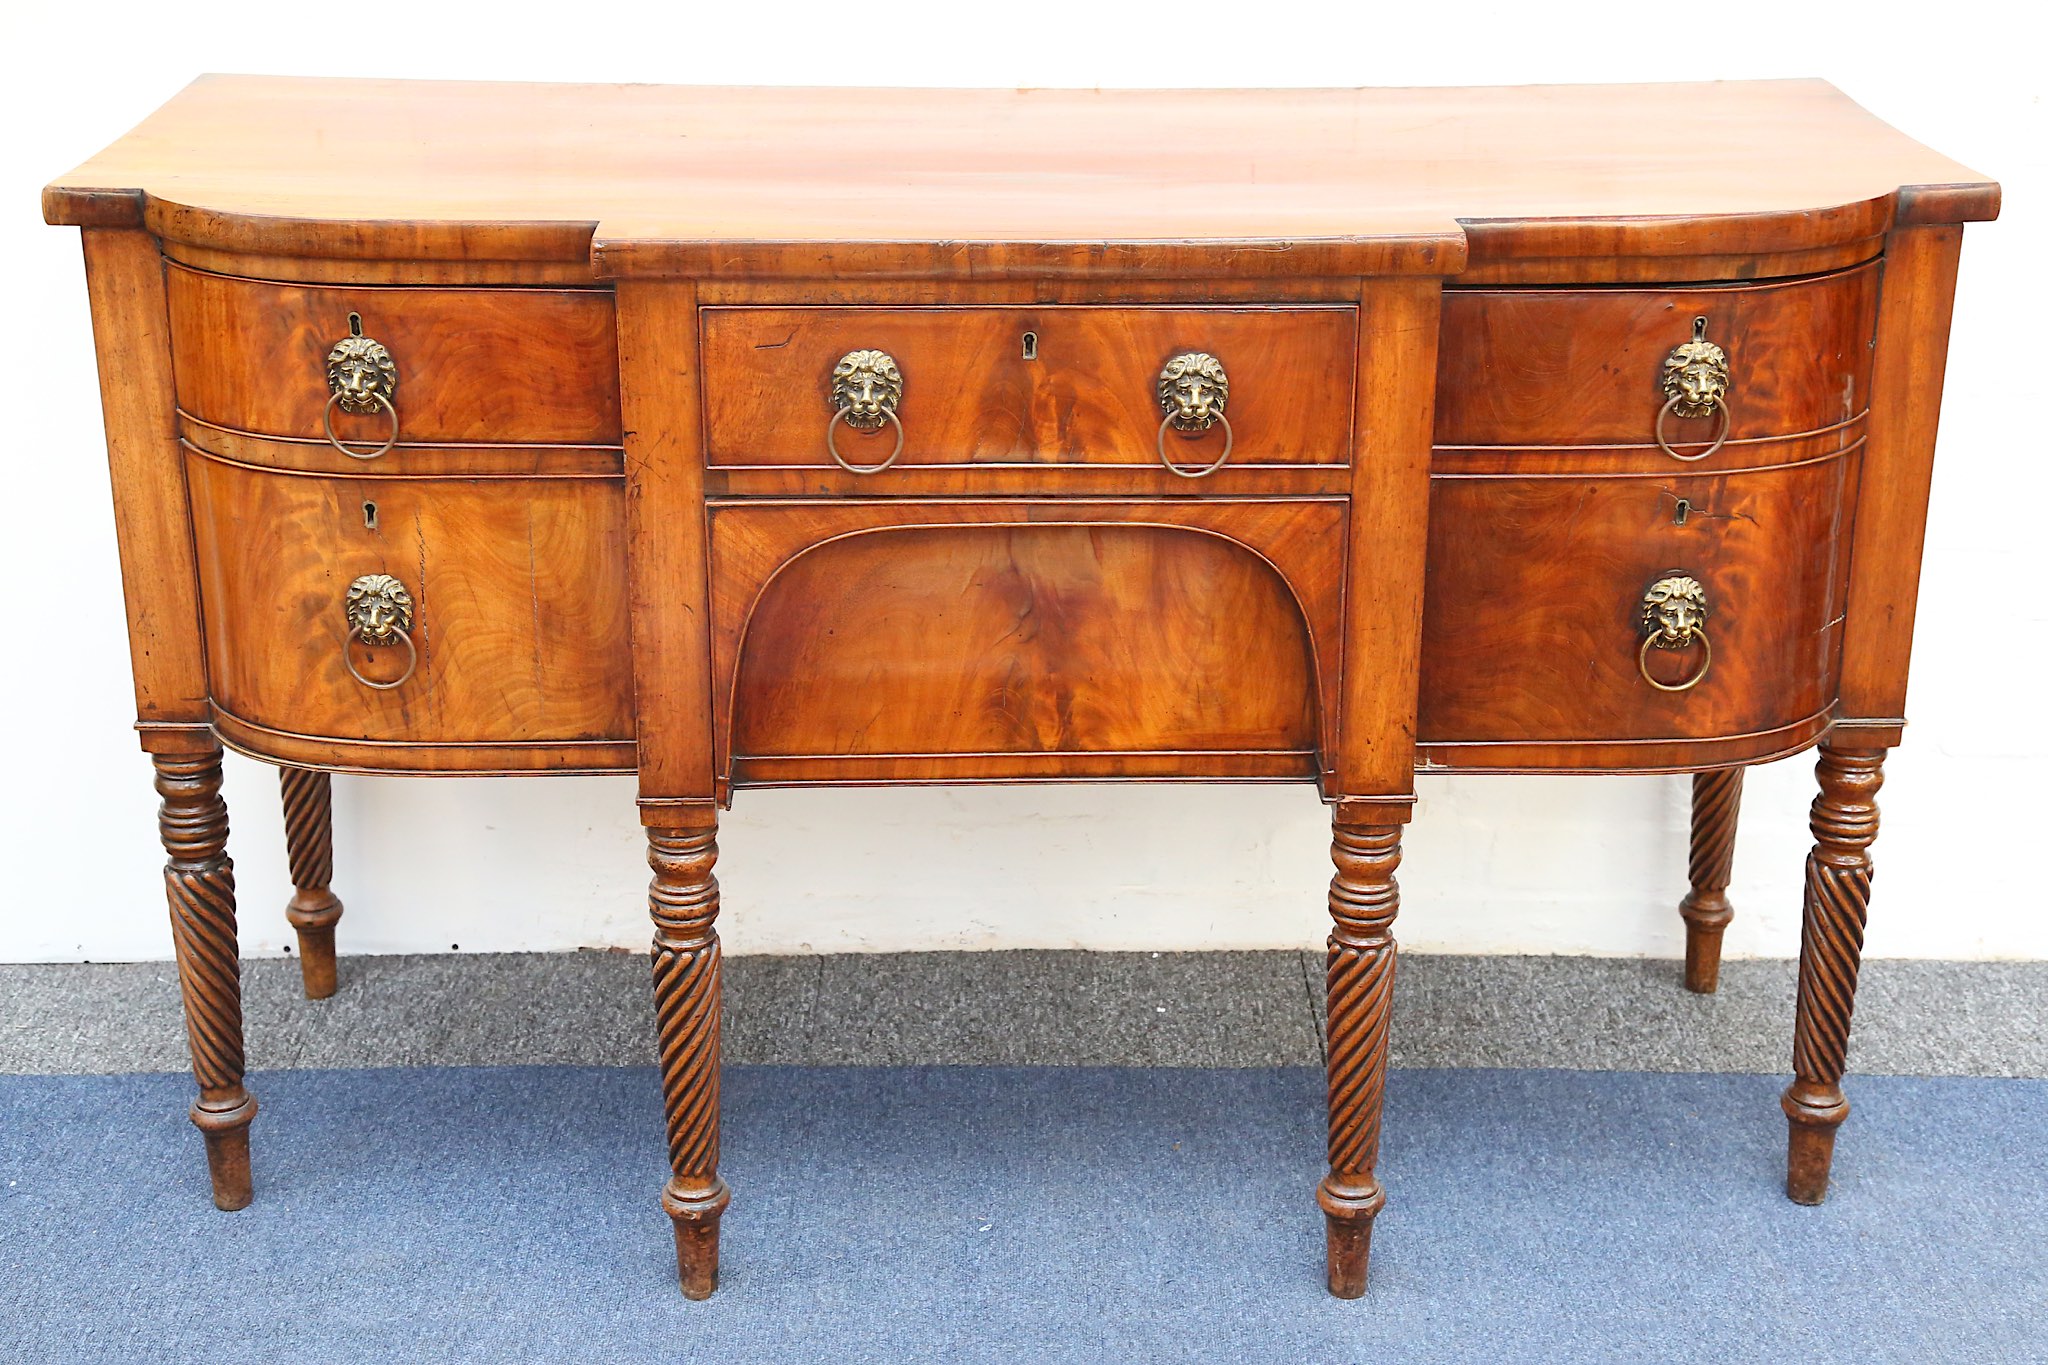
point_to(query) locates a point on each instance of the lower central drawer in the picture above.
(1054, 384)
(893, 640)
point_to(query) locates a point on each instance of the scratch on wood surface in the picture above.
(533, 596)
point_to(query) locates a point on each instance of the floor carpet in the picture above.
(1021, 1215)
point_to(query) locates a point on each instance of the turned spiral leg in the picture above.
(1363, 899)
(1716, 804)
(684, 902)
(309, 843)
(1830, 950)
(200, 882)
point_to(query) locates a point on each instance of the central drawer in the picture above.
(1032, 385)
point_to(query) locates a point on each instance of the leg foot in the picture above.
(696, 1212)
(1347, 1234)
(1716, 801)
(309, 843)
(199, 881)
(1363, 901)
(1830, 954)
(1811, 1122)
(683, 900)
(227, 1151)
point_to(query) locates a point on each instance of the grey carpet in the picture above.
(1235, 1009)
(1033, 1216)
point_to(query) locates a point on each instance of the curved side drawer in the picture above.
(474, 365)
(1533, 628)
(1569, 367)
(517, 592)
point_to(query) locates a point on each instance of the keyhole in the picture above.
(1031, 345)
(355, 324)
(1684, 509)
(370, 516)
(1699, 329)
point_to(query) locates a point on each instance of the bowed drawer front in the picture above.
(510, 618)
(491, 366)
(1029, 385)
(1542, 626)
(1589, 367)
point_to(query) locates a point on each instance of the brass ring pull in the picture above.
(404, 637)
(379, 610)
(327, 425)
(361, 377)
(1720, 436)
(867, 387)
(1695, 382)
(1229, 440)
(1674, 617)
(1193, 389)
(1706, 662)
(832, 443)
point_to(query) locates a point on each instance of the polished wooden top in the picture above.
(735, 182)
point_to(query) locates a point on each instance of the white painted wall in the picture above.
(1569, 865)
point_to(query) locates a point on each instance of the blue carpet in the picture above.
(1021, 1215)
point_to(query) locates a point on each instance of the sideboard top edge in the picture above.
(672, 180)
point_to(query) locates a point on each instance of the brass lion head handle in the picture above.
(379, 610)
(867, 388)
(1194, 390)
(1674, 615)
(1695, 383)
(362, 378)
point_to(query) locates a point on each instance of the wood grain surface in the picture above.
(1531, 625)
(519, 596)
(1034, 639)
(743, 182)
(1106, 634)
(970, 397)
(667, 527)
(1898, 477)
(159, 578)
(1534, 367)
(485, 365)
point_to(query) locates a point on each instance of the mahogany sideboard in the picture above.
(765, 437)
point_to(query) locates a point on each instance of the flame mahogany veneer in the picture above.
(599, 328)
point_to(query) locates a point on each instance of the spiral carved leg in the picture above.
(309, 843)
(684, 902)
(1830, 951)
(1363, 900)
(200, 882)
(1716, 803)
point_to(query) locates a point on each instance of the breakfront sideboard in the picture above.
(768, 437)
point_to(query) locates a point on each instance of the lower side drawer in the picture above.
(1535, 622)
(515, 591)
